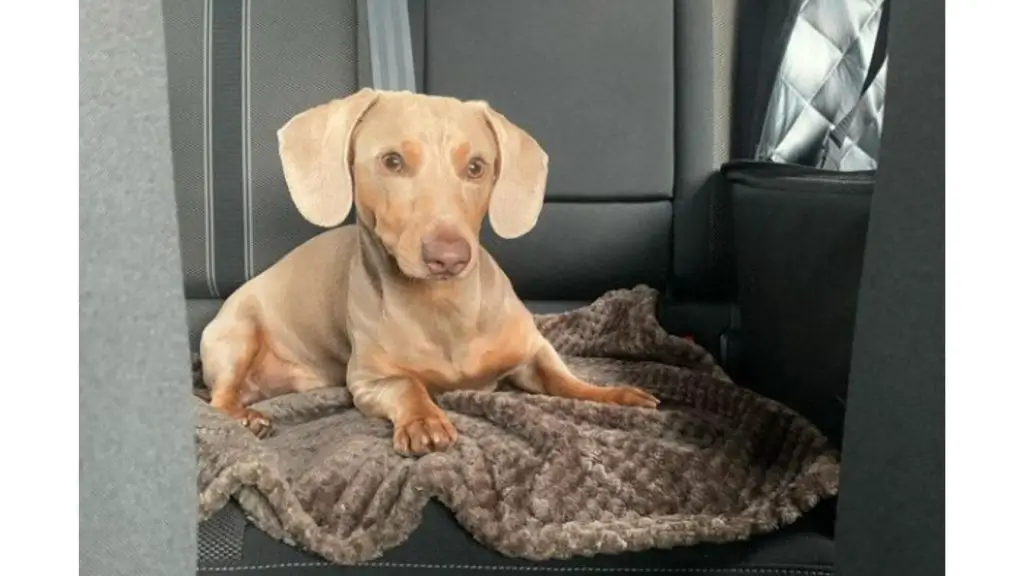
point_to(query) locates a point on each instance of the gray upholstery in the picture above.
(580, 250)
(199, 312)
(600, 100)
(704, 57)
(575, 74)
(137, 499)
(238, 71)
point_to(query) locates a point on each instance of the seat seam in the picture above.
(779, 571)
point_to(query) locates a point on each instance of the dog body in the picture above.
(404, 303)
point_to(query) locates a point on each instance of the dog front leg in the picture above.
(420, 425)
(546, 373)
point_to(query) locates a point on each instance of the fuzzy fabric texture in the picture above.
(534, 476)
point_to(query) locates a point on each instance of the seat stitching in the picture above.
(794, 571)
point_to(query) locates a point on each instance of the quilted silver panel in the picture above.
(853, 145)
(820, 113)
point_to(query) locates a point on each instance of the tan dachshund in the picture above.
(404, 303)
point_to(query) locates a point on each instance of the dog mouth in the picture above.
(442, 277)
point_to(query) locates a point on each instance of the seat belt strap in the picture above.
(390, 44)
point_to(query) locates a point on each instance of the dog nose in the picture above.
(446, 253)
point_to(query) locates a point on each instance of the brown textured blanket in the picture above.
(532, 476)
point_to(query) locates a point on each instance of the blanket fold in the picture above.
(534, 476)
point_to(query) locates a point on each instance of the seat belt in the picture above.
(388, 43)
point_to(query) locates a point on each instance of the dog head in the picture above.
(422, 172)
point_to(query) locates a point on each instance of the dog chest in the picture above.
(475, 361)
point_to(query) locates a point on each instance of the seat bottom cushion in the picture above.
(441, 547)
(229, 544)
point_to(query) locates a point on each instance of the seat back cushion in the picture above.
(237, 72)
(592, 80)
(577, 74)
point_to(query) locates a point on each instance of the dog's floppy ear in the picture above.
(522, 175)
(315, 150)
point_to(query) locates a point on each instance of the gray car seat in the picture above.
(631, 100)
(589, 79)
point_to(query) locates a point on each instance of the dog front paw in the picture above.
(257, 422)
(423, 435)
(628, 396)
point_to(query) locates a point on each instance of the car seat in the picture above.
(633, 101)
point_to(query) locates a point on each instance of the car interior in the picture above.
(813, 278)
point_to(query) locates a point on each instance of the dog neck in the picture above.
(389, 282)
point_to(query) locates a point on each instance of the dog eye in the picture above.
(393, 161)
(476, 168)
